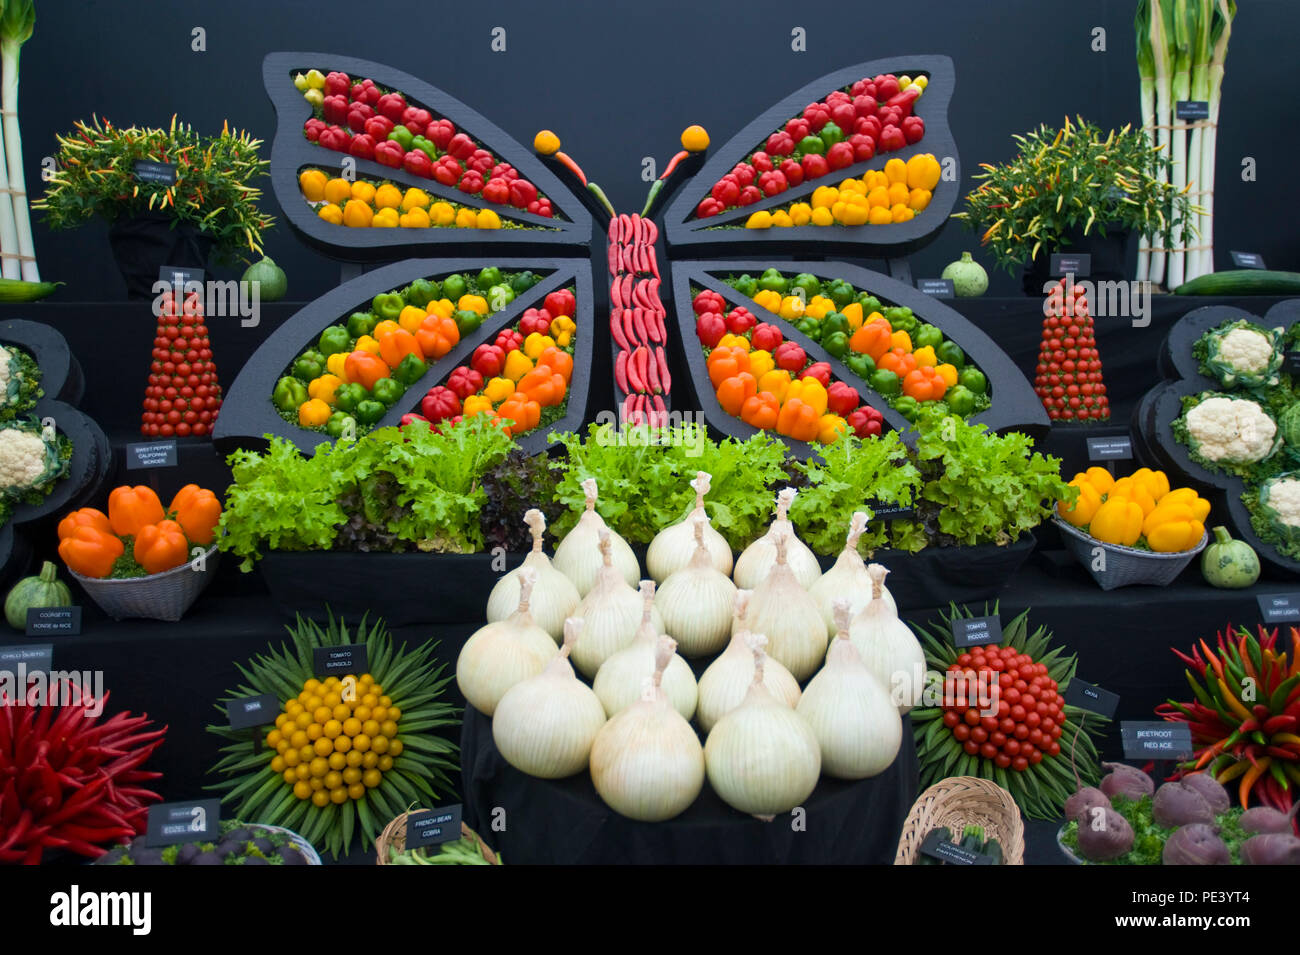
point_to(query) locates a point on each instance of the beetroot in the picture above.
(1177, 805)
(1104, 834)
(1195, 844)
(1209, 787)
(1271, 848)
(1126, 781)
(1266, 819)
(1088, 797)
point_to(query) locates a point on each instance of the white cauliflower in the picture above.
(6, 362)
(1235, 431)
(1246, 350)
(1284, 498)
(22, 458)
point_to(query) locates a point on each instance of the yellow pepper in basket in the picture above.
(1117, 521)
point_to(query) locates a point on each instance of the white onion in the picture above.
(673, 547)
(611, 612)
(545, 725)
(647, 763)
(501, 654)
(724, 684)
(756, 560)
(577, 556)
(888, 647)
(623, 677)
(554, 596)
(696, 602)
(787, 615)
(857, 725)
(847, 577)
(762, 758)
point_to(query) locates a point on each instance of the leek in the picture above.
(1202, 21)
(1224, 11)
(16, 26)
(1160, 60)
(1147, 95)
(1180, 20)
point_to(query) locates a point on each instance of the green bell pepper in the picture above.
(523, 281)
(333, 340)
(411, 370)
(811, 144)
(909, 408)
(886, 383)
(900, 319)
(831, 134)
(835, 322)
(810, 284)
(347, 397)
(289, 393)
(840, 292)
(974, 380)
(339, 424)
(960, 400)
(467, 321)
(361, 323)
(746, 285)
(489, 276)
(387, 306)
(421, 292)
(773, 281)
(499, 296)
(861, 365)
(387, 390)
(370, 410)
(454, 286)
(403, 137)
(926, 335)
(869, 304)
(950, 353)
(310, 365)
(424, 146)
(810, 327)
(836, 344)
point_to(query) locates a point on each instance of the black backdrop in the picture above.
(620, 81)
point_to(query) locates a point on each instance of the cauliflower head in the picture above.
(1283, 496)
(1246, 350)
(23, 458)
(1231, 430)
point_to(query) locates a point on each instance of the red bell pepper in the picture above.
(792, 171)
(533, 320)
(889, 116)
(905, 100)
(726, 190)
(488, 360)
(337, 84)
(740, 320)
(780, 144)
(797, 129)
(471, 183)
(560, 302)
(335, 138)
(362, 146)
(447, 171)
(482, 161)
(416, 119)
(509, 340)
(836, 97)
(864, 147)
(313, 128)
(773, 183)
(389, 153)
(378, 127)
(439, 132)
(869, 126)
(749, 195)
(762, 162)
(335, 109)
(392, 105)
(412, 416)
(542, 207)
(709, 207)
(464, 382)
(708, 301)
(814, 166)
(843, 115)
(913, 128)
(817, 116)
(863, 87)
(886, 86)
(497, 190)
(365, 92)
(891, 138)
(522, 192)
(460, 146)
(790, 356)
(841, 398)
(440, 403)
(840, 156)
(820, 370)
(744, 173)
(766, 337)
(709, 328)
(358, 115)
(866, 421)
(418, 163)
(503, 170)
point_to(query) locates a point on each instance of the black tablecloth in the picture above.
(564, 821)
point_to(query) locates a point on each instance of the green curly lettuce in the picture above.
(24, 386)
(1214, 364)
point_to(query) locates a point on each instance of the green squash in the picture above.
(270, 277)
(45, 590)
(1228, 563)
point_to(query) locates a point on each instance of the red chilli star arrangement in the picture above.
(1244, 714)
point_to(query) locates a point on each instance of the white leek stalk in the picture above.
(623, 678)
(646, 762)
(724, 684)
(1222, 14)
(1147, 99)
(15, 28)
(545, 725)
(1164, 116)
(554, 596)
(696, 602)
(888, 648)
(577, 556)
(672, 547)
(753, 564)
(856, 724)
(1180, 19)
(847, 577)
(762, 758)
(1201, 23)
(501, 654)
(611, 611)
(787, 615)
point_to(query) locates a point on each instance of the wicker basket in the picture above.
(1126, 565)
(394, 835)
(301, 844)
(961, 801)
(164, 596)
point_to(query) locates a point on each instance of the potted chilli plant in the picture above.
(199, 200)
(1075, 188)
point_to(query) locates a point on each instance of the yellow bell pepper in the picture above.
(769, 299)
(775, 382)
(1117, 521)
(466, 219)
(498, 390)
(385, 219)
(366, 343)
(487, 219)
(536, 343)
(781, 219)
(442, 308)
(1080, 514)
(830, 427)
(792, 308)
(313, 413)
(334, 365)
(734, 341)
(925, 357)
(324, 388)
(563, 324)
(442, 213)
(411, 318)
(1136, 492)
(948, 373)
(853, 312)
(801, 213)
(415, 219)
(1175, 535)
(810, 392)
(762, 219)
(1164, 514)
(473, 303)
(517, 365)
(824, 197)
(1199, 506)
(331, 213)
(760, 363)
(818, 307)
(477, 404)
(822, 216)
(1155, 482)
(900, 339)
(1101, 479)
(383, 328)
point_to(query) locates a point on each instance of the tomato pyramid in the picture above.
(1068, 376)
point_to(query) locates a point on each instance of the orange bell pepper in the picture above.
(131, 508)
(396, 345)
(797, 420)
(437, 336)
(898, 361)
(85, 517)
(760, 410)
(725, 362)
(872, 339)
(735, 391)
(365, 368)
(542, 385)
(197, 511)
(559, 360)
(525, 414)
(924, 384)
(90, 551)
(161, 546)
(383, 328)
